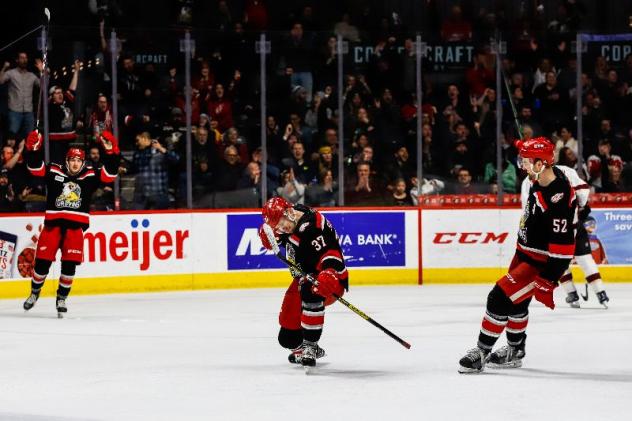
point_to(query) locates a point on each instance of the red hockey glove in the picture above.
(328, 284)
(34, 141)
(109, 143)
(264, 239)
(543, 291)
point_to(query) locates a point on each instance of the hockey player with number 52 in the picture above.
(312, 244)
(546, 244)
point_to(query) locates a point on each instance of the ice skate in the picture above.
(573, 299)
(61, 307)
(309, 356)
(297, 355)
(31, 300)
(601, 296)
(506, 357)
(473, 361)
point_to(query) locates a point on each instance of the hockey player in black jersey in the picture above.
(312, 244)
(69, 191)
(546, 243)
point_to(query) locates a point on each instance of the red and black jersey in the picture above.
(547, 227)
(314, 245)
(68, 196)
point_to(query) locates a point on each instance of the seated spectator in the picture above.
(428, 186)
(464, 183)
(326, 161)
(204, 161)
(8, 199)
(232, 138)
(509, 175)
(291, 188)
(363, 188)
(460, 157)
(331, 140)
(229, 170)
(251, 178)
(554, 103)
(150, 163)
(323, 193)
(597, 164)
(398, 167)
(365, 155)
(301, 130)
(614, 182)
(400, 196)
(565, 139)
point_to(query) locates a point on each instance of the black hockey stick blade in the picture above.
(585, 297)
(277, 251)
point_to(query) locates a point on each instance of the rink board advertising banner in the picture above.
(368, 239)
(611, 236)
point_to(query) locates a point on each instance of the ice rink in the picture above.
(213, 355)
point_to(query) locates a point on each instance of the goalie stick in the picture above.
(277, 251)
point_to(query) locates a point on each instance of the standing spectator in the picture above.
(150, 163)
(461, 157)
(204, 162)
(298, 52)
(61, 118)
(232, 138)
(569, 159)
(101, 117)
(220, 108)
(21, 84)
(455, 28)
(302, 169)
(509, 175)
(554, 103)
(614, 183)
(131, 95)
(398, 167)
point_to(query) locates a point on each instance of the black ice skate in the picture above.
(473, 361)
(601, 296)
(31, 300)
(297, 355)
(61, 307)
(573, 299)
(507, 356)
(310, 354)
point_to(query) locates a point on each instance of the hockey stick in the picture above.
(585, 297)
(277, 252)
(43, 94)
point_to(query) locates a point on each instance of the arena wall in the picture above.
(176, 250)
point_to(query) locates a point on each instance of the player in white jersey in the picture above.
(583, 255)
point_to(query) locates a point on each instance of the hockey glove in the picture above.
(33, 141)
(543, 291)
(109, 143)
(264, 239)
(328, 284)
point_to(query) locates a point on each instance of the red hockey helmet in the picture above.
(537, 148)
(274, 210)
(76, 153)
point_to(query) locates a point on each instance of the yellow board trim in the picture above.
(178, 282)
(609, 273)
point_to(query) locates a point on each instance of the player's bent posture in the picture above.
(69, 190)
(583, 252)
(312, 243)
(546, 243)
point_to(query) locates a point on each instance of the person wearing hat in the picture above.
(61, 118)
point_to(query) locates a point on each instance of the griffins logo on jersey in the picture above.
(70, 196)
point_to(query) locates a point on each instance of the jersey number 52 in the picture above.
(560, 225)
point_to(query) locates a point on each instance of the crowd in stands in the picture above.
(379, 110)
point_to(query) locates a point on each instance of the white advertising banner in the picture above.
(468, 238)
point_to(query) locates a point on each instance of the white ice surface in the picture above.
(213, 355)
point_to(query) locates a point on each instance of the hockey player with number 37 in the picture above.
(546, 244)
(312, 244)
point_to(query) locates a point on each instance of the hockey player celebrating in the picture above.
(69, 191)
(546, 244)
(312, 244)
(583, 254)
